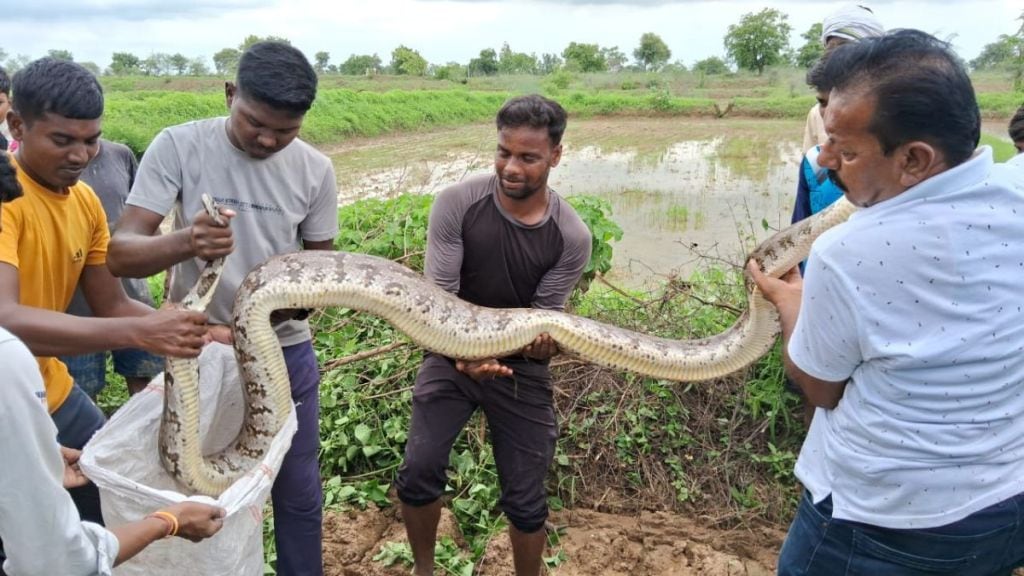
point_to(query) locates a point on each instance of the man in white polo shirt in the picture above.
(907, 331)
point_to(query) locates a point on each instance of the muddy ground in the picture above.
(593, 543)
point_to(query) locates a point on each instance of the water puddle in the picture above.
(683, 190)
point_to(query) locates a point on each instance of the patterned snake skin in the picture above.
(440, 322)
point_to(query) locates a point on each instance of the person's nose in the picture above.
(827, 157)
(513, 166)
(79, 154)
(266, 140)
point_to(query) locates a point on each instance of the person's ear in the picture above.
(918, 161)
(16, 124)
(556, 155)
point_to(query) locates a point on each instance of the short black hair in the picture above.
(822, 76)
(921, 91)
(5, 82)
(278, 75)
(49, 85)
(1016, 128)
(535, 111)
(10, 188)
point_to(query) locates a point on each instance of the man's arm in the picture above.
(802, 205)
(106, 296)
(166, 332)
(318, 245)
(136, 250)
(43, 533)
(785, 293)
(442, 263)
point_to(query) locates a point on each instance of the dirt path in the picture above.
(594, 543)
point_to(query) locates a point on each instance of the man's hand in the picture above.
(73, 476)
(220, 333)
(197, 521)
(542, 348)
(482, 369)
(211, 240)
(784, 293)
(172, 332)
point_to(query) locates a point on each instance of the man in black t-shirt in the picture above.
(503, 240)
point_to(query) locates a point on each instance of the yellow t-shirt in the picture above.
(50, 238)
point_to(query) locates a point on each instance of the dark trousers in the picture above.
(989, 542)
(297, 493)
(521, 418)
(77, 419)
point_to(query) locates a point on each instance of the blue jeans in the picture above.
(90, 370)
(989, 542)
(297, 493)
(77, 419)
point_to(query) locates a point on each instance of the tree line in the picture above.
(759, 40)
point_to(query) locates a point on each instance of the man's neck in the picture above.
(527, 211)
(35, 178)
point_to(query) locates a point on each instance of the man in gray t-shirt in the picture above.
(279, 195)
(111, 175)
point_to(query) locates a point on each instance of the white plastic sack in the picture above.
(123, 461)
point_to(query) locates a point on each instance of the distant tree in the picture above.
(759, 40)
(812, 49)
(486, 64)
(226, 61)
(549, 63)
(584, 58)
(614, 59)
(406, 61)
(358, 65)
(677, 66)
(451, 71)
(253, 39)
(3, 54)
(510, 62)
(61, 55)
(322, 60)
(15, 63)
(711, 66)
(198, 67)
(91, 67)
(999, 54)
(178, 62)
(157, 64)
(652, 53)
(124, 64)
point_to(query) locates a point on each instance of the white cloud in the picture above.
(49, 11)
(449, 30)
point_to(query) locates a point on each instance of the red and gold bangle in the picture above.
(170, 519)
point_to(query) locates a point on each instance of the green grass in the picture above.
(1002, 150)
(139, 107)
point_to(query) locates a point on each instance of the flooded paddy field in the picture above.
(682, 189)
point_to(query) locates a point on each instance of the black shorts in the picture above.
(521, 418)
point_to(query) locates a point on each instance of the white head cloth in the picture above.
(851, 22)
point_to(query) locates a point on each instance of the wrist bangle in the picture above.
(170, 519)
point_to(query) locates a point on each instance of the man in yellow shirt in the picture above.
(55, 238)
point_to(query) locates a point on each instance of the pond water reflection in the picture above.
(681, 189)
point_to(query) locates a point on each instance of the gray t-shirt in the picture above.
(110, 175)
(280, 201)
(484, 255)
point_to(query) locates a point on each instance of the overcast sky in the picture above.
(446, 30)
